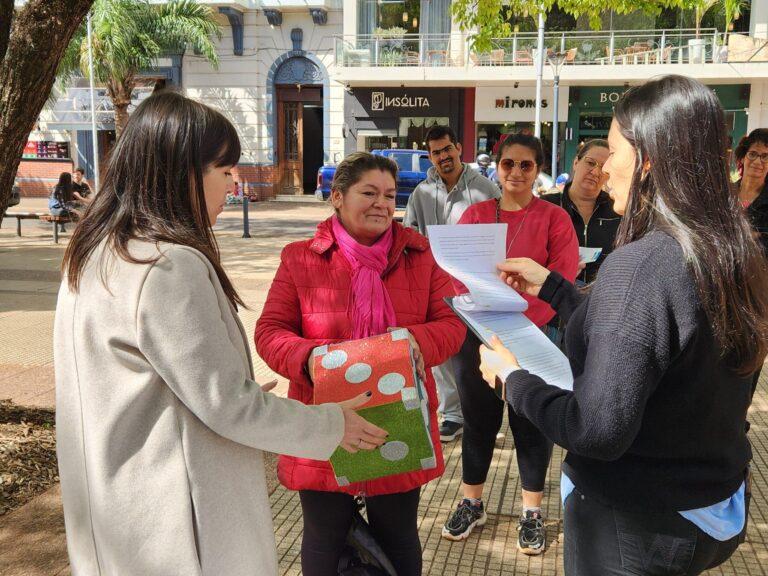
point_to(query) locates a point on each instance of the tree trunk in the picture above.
(120, 94)
(39, 33)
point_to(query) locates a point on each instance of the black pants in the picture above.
(328, 517)
(602, 540)
(483, 414)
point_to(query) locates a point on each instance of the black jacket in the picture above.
(600, 232)
(758, 216)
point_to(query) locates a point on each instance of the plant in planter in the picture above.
(697, 45)
(392, 50)
(394, 32)
(732, 11)
(701, 7)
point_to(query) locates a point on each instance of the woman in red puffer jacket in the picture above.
(361, 274)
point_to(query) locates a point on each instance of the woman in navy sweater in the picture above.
(662, 348)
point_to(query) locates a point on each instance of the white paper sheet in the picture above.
(534, 351)
(470, 254)
(589, 255)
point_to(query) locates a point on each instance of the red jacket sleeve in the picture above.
(278, 331)
(563, 246)
(441, 336)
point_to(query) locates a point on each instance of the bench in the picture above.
(57, 221)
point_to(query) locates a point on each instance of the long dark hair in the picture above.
(63, 191)
(676, 125)
(153, 186)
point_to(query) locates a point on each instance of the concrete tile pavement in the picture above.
(28, 284)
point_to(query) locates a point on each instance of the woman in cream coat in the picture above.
(160, 424)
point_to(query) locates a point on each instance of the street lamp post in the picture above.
(539, 73)
(556, 60)
(94, 133)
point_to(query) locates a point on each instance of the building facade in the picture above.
(308, 81)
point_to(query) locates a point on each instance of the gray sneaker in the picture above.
(532, 535)
(449, 430)
(463, 520)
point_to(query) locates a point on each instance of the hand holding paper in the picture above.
(523, 274)
(474, 254)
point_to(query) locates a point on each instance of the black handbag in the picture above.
(362, 555)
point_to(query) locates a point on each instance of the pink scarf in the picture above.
(372, 310)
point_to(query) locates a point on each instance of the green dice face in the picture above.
(408, 447)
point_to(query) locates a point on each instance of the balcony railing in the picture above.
(619, 47)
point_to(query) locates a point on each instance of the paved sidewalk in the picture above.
(32, 540)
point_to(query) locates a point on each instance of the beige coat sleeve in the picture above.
(182, 333)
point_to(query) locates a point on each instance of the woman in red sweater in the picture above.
(543, 232)
(361, 274)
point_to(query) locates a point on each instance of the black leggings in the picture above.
(602, 540)
(483, 415)
(328, 517)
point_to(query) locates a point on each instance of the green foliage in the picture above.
(128, 35)
(489, 19)
(394, 32)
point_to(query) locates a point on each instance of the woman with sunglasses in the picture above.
(542, 231)
(662, 349)
(590, 208)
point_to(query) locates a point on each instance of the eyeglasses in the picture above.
(753, 156)
(447, 150)
(591, 164)
(526, 166)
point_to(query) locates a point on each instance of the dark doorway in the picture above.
(299, 110)
(313, 145)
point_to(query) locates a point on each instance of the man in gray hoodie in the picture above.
(450, 188)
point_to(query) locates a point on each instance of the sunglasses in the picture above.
(753, 156)
(526, 166)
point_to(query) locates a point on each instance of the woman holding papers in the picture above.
(662, 350)
(538, 230)
(361, 274)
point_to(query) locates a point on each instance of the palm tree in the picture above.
(732, 10)
(701, 7)
(129, 35)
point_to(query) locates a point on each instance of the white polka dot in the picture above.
(335, 359)
(358, 373)
(394, 451)
(391, 383)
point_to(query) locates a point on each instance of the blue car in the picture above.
(412, 169)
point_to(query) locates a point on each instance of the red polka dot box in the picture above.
(384, 365)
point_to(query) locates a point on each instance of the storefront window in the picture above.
(405, 14)
(600, 122)
(413, 131)
(491, 136)
(368, 141)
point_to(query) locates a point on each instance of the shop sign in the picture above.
(507, 104)
(732, 96)
(380, 102)
(610, 97)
